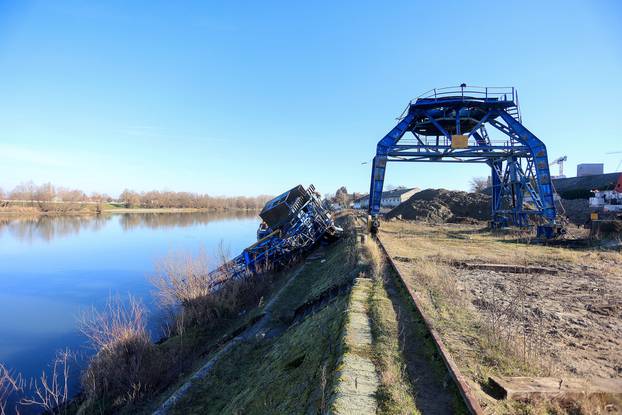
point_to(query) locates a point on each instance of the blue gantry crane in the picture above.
(292, 224)
(449, 125)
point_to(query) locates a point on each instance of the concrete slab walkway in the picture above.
(357, 379)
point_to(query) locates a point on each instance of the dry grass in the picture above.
(395, 393)
(6, 209)
(454, 242)
(501, 339)
(124, 368)
(10, 384)
(50, 393)
(184, 281)
(118, 323)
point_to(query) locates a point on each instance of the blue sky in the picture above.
(254, 97)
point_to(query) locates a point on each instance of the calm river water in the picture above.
(52, 268)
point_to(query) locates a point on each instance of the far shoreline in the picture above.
(35, 212)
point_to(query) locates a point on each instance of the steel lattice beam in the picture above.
(519, 165)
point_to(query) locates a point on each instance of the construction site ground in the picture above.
(559, 314)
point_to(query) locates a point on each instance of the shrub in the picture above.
(124, 367)
(184, 281)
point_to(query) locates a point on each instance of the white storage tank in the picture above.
(590, 169)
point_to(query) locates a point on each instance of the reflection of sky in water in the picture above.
(52, 268)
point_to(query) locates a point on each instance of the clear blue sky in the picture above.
(254, 97)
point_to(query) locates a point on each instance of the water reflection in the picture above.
(181, 219)
(47, 228)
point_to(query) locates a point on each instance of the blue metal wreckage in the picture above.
(292, 224)
(448, 125)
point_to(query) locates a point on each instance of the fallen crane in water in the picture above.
(292, 224)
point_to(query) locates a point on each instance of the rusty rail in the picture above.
(465, 390)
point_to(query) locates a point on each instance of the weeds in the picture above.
(51, 393)
(124, 368)
(514, 328)
(184, 281)
(10, 384)
(48, 393)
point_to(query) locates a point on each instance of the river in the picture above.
(54, 268)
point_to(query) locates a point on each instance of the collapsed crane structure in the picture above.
(292, 224)
(448, 125)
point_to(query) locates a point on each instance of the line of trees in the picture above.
(48, 197)
(168, 199)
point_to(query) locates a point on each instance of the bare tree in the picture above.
(44, 195)
(342, 197)
(24, 191)
(130, 198)
(100, 200)
(478, 184)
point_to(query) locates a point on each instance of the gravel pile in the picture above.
(441, 205)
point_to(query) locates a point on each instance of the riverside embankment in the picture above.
(328, 338)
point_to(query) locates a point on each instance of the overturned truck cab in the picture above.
(293, 223)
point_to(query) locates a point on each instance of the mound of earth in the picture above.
(441, 205)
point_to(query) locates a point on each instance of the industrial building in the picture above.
(390, 198)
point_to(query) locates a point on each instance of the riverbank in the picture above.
(331, 335)
(287, 339)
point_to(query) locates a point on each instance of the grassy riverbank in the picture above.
(288, 368)
(297, 351)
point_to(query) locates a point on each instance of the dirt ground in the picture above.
(575, 316)
(567, 324)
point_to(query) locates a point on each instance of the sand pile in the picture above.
(441, 205)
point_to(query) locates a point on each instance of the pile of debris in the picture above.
(441, 205)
